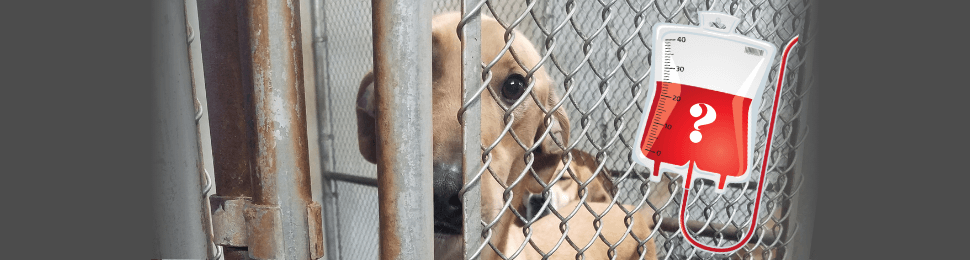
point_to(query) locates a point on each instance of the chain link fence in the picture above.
(599, 62)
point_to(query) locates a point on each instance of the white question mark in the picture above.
(695, 111)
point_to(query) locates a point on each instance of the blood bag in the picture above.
(701, 107)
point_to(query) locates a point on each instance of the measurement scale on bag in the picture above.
(665, 96)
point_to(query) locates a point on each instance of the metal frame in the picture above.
(245, 132)
(793, 135)
(322, 77)
(402, 74)
(469, 32)
(178, 218)
(230, 116)
(255, 91)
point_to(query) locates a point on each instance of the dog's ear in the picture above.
(559, 127)
(367, 118)
(605, 177)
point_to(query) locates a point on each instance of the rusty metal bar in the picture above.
(254, 78)
(177, 199)
(470, 33)
(229, 91)
(282, 199)
(402, 70)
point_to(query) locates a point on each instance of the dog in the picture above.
(508, 158)
(565, 195)
(569, 185)
(581, 231)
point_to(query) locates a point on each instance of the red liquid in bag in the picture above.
(721, 145)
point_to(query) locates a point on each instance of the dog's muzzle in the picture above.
(447, 201)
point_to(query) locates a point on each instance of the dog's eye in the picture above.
(513, 87)
(565, 177)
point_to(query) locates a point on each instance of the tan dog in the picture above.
(568, 187)
(508, 85)
(546, 234)
(565, 196)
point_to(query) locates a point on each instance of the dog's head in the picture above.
(510, 85)
(567, 187)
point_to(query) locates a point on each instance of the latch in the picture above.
(237, 222)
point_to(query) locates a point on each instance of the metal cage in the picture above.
(596, 54)
(598, 58)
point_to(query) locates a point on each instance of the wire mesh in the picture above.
(349, 57)
(357, 220)
(597, 54)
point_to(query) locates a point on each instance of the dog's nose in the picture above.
(447, 201)
(447, 181)
(537, 206)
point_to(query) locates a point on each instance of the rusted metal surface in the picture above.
(282, 170)
(402, 70)
(237, 221)
(176, 191)
(264, 229)
(279, 101)
(254, 78)
(229, 221)
(241, 253)
(266, 170)
(229, 91)
(316, 232)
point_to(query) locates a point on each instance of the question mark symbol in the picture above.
(695, 111)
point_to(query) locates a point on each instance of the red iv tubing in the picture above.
(761, 181)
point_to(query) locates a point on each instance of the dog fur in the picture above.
(581, 230)
(569, 184)
(508, 158)
(565, 196)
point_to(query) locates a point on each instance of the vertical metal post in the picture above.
(471, 121)
(177, 187)
(324, 117)
(282, 165)
(402, 73)
(229, 91)
(254, 78)
(191, 20)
